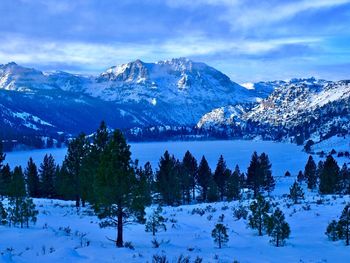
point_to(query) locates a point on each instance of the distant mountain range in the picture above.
(36, 105)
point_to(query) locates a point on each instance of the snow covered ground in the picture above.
(58, 236)
(63, 234)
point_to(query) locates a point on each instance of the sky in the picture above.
(249, 40)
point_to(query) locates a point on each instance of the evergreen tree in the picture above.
(156, 222)
(220, 235)
(259, 214)
(310, 173)
(265, 168)
(344, 224)
(191, 172)
(329, 177)
(47, 172)
(115, 185)
(333, 230)
(340, 229)
(204, 177)
(221, 176)
(296, 192)
(28, 211)
(287, 174)
(17, 185)
(21, 209)
(145, 183)
(77, 151)
(2, 156)
(253, 180)
(3, 214)
(344, 180)
(233, 185)
(167, 180)
(213, 191)
(5, 180)
(64, 185)
(142, 192)
(32, 176)
(278, 228)
(300, 177)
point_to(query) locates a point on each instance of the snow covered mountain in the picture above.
(300, 108)
(136, 94)
(173, 93)
(177, 91)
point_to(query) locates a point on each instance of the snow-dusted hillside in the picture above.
(63, 234)
(309, 108)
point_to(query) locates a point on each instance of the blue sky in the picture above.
(248, 40)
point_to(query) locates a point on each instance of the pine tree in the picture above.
(344, 224)
(28, 211)
(265, 168)
(3, 214)
(5, 180)
(296, 192)
(115, 185)
(17, 193)
(253, 180)
(2, 156)
(213, 191)
(142, 192)
(340, 229)
(156, 222)
(191, 172)
(167, 180)
(47, 174)
(91, 161)
(310, 173)
(221, 176)
(17, 185)
(333, 230)
(329, 177)
(32, 176)
(64, 184)
(233, 185)
(300, 177)
(220, 235)
(278, 228)
(204, 177)
(259, 214)
(77, 151)
(344, 186)
(144, 177)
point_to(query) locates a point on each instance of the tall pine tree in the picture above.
(47, 174)
(115, 185)
(167, 180)
(204, 178)
(329, 177)
(191, 171)
(310, 173)
(77, 151)
(32, 176)
(221, 176)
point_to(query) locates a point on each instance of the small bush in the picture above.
(129, 245)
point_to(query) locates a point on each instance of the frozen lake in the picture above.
(283, 156)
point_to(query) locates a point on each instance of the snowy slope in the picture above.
(63, 234)
(177, 91)
(316, 109)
